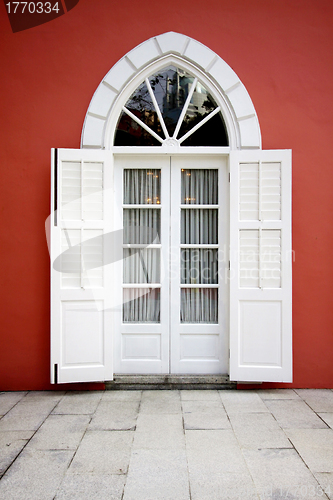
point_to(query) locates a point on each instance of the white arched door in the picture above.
(133, 283)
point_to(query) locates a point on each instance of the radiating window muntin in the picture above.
(171, 103)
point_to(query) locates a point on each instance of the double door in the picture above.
(172, 213)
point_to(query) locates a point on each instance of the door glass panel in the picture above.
(199, 226)
(199, 186)
(142, 225)
(142, 186)
(141, 265)
(199, 266)
(199, 305)
(141, 305)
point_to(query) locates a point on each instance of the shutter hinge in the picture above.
(229, 265)
(229, 176)
(55, 373)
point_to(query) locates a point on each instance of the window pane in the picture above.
(141, 265)
(141, 305)
(142, 186)
(130, 133)
(212, 133)
(199, 186)
(142, 225)
(199, 305)
(199, 266)
(199, 226)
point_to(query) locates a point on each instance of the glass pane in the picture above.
(199, 266)
(199, 305)
(142, 225)
(141, 305)
(171, 86)
(199, 226)
(212, 133)
(141, 265)
(142, 186)
(199, 186)
(130, 133)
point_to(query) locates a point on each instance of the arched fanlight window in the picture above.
(171, 104)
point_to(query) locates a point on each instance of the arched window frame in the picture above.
(171, 48)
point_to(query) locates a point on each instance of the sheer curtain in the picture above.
(199, 226)
(141, 227)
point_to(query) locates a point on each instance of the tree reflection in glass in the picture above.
(171, 104)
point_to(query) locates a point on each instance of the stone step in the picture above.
(163, 382)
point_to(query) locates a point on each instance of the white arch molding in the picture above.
(171, 48)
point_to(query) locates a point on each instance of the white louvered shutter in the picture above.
(81, 327)
(260, 266)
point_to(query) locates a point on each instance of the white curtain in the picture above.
(141, 305)
(141, 226)
(199, 225)
(199, 305)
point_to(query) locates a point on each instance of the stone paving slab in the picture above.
(60, 432)
(103, 452)
(222, 486)
(159, 432)
(35, 475)
(9, 399)
(242, 402)
(160, 402)
(281, 474)
(11, 444)
(214, 452)
(157, 475)
(121, 396)
(320, 400)
(199, 395)
(258, 430)
(292, 414)
(325, 479)
(115, 415)
(91, 487)
(328, 418)
(78, 403)
(205, 414)
(16, 421)
(278, 394)
(315, 447)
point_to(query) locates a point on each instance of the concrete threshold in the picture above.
(167, 382)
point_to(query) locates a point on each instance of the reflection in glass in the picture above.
(199, 305)
(142, 186)
(199, 186)
(141, 305)
(199, 226)
(170, 86)
(199, 266)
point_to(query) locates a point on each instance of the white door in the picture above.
(172, 283)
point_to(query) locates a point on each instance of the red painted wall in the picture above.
(282, 52)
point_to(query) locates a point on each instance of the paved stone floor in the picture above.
(174, 445)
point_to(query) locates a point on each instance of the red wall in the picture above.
(282, 52)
